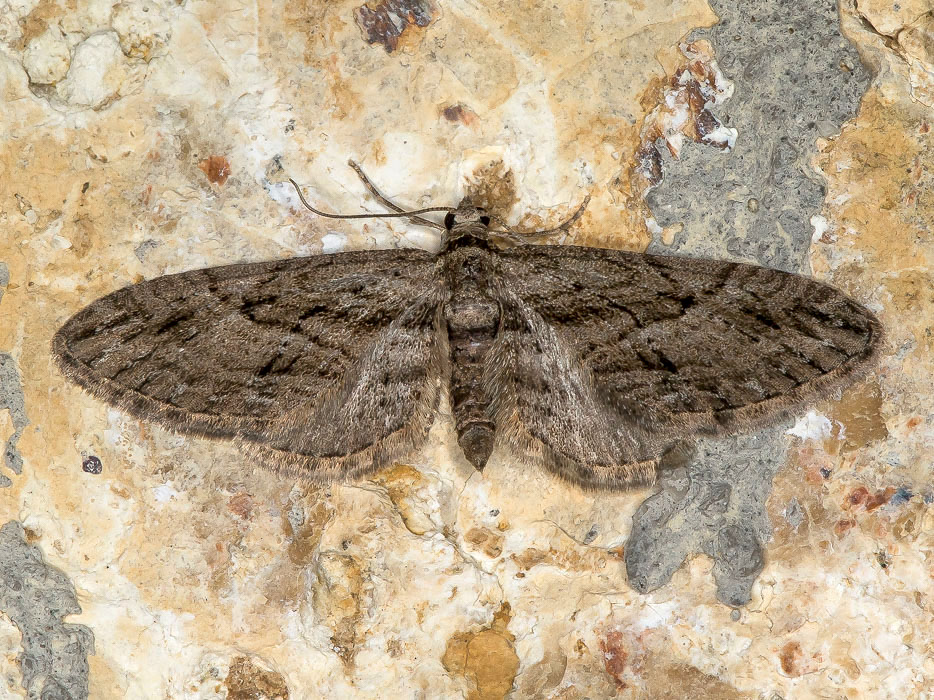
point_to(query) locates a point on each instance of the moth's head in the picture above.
(465, 215)
(466, 221)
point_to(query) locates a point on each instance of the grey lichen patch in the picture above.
(713, 504)
(753, 203)
(783, 100)
(11, 400)
(36, 597)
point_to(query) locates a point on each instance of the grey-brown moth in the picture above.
(596, 363)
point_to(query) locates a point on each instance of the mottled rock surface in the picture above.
(148, 137)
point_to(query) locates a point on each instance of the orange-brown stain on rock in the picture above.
(305, 536)
(338, 600)
(908, 525)
(82, 234)
(615, 655)
(31, 536)
(680, 681)
(241, 505)
(590, 559)
(486, 659)
(795, 662)
(490, 543)
(459, 113)
(859, 411)
(217, 169)
(530, 557)
(860, 499)
(247, 681)
(45, 13)
(400, 481)
(843, 526)
(790, 658)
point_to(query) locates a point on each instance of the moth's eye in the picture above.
(449, 220)
(485, 220)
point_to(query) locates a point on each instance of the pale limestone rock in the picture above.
(47, 57)
(86, 18)
(917, 40)
(11, 14)
(143, 27)
(11, 677)
(889, 16)
(99, 73)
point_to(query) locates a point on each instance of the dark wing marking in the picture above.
(234, 351)
(680, 345)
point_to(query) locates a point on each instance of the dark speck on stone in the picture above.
(92, 465)
(825, 472)
(903, 495)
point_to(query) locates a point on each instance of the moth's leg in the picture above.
(389, 204)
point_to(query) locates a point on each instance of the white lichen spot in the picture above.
(164, 493)
(652, 225)
(723, 136)
(812, 426)
(333, 242)
(820, 225)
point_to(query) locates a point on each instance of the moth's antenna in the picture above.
(564, 226)
(371, 188)
(399, 214)
(506, 228)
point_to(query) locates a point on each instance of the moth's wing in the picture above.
(548, 405)
(327, 366)
(665, 348)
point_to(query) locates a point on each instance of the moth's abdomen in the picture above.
(472, 319)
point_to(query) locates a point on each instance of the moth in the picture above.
(597, 364)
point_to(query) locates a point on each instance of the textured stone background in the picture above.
(147, 137)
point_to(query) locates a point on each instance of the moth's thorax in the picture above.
(472, 315)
